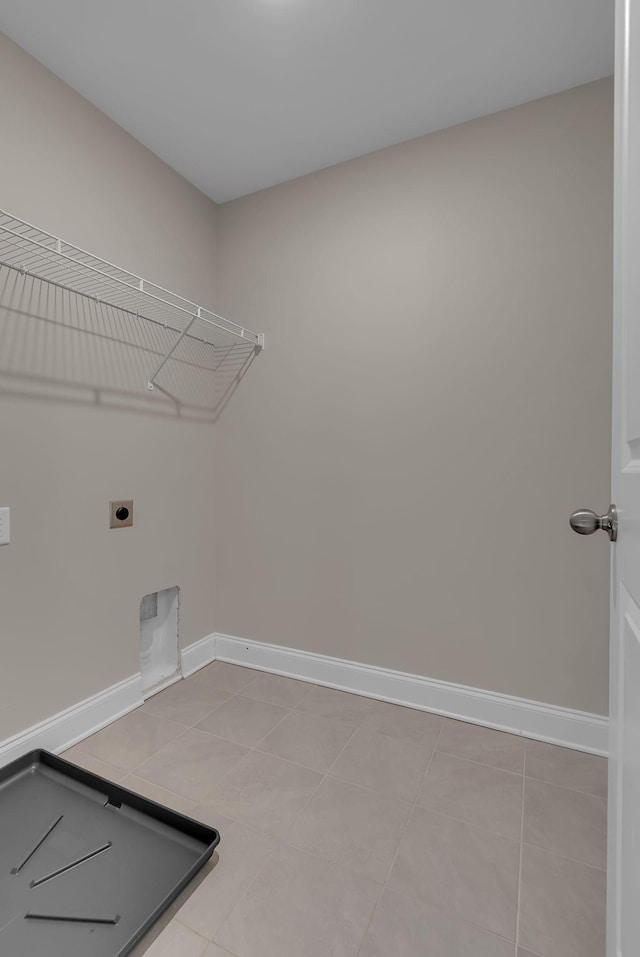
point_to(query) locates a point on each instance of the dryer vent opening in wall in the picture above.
(158, 637)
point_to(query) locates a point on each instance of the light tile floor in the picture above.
(355, 828)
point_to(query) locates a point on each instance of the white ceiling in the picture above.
(238, 95)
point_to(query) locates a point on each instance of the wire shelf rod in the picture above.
(135, 285)
(92, 298)
(182, 338)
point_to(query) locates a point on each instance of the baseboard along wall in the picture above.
(65, 729)
(533, 719)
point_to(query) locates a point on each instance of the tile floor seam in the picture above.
(393, 737)
(327, 773)
(572, 860)
(308, 767)
(253, 747)
(431, 902)
(477, 827)
(333, 718)
(161, 787)
(524, 782)
(482, 764)
(450, 913)
(111, 724)
(438, 714)
(152, 755)
(284, 840)
(232, 694)
(166, 746)
(461, 820)
(213, 710)
(404, 831)
(112, 767)
(245, 890)
(243, 894)
(266, 754)
(275, 674)
(191, 930)
(256, 746)
(339, 864)
(564, 787)
(151, 714)
(311, 796)
(276, 757)
(229, 691)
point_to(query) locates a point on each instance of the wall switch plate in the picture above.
(121, 514)
(5, 526)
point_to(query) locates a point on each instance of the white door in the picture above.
(623, 928)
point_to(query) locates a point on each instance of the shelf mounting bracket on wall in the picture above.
(185, 331)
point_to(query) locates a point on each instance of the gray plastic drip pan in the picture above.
(86, 867)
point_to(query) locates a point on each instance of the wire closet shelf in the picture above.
(38, 254)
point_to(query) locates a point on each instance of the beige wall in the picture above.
(70, 588)
(395, 476)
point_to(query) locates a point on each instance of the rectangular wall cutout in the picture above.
(158, 637)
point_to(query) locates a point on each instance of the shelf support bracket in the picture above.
(173, 348)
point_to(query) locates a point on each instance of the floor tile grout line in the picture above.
(155, 754)
(255, 749)
(241, 896)
(296, 707)
(404, 831)
(66, 756)
(150, 713)
(250, 747)
(460, 820)
(154, 717)
(450, 913)
(320, 783)
(160, 787)
(363, 787)
(564, 787)
(186, 926)
(186, 729)
(458, 720)
(456, 918)
(243, 893)
(563, 857)
(328, 773)
(483, 764)
(233, 694)
(293, 707)
(307, 767)
(150, 756)
(283, 841)
(256, 746)
(524, 782)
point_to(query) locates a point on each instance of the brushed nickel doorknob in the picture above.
(585, 522)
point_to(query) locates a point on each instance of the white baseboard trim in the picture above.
(162, 686)
(196, 656)
(68, 727)
(65, 729)
(572, 729)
